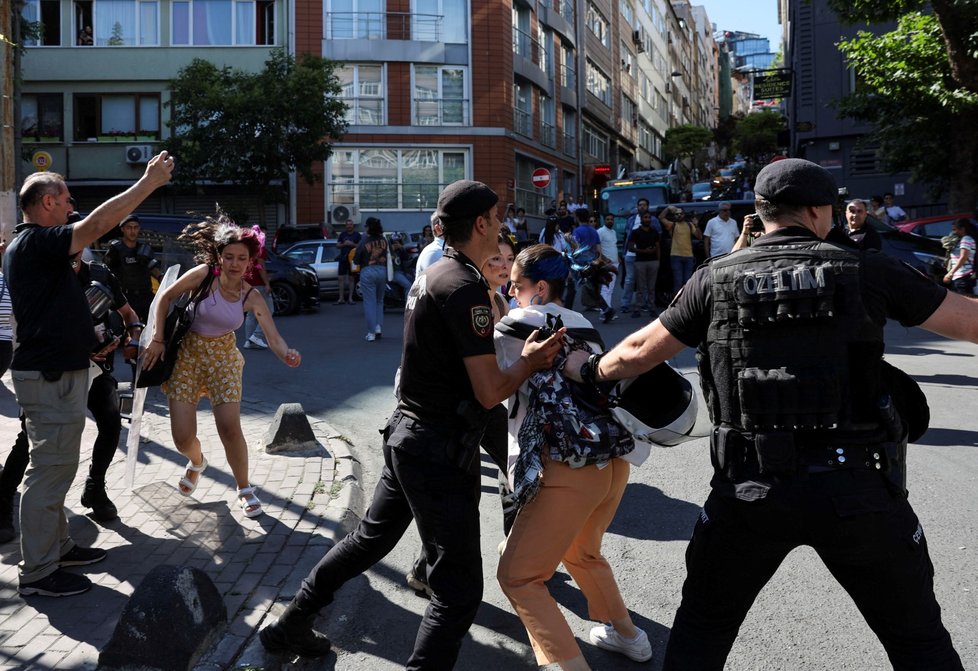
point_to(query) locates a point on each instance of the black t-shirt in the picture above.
(447, 318)
(644, 239)
(54, 325)
(131, 265)
(865, 237)
(890, 289)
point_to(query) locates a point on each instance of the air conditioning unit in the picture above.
(637, 36)
(340, 214)
(139, 153)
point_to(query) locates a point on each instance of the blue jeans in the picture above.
(629, 287)
(373, 280)
(682, 270)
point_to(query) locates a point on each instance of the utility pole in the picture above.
(8, 158)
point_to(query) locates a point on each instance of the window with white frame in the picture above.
(222, 22)
(598, 84)
(364, 93)
(41, 117)
(440, 95)
(47, 13)
(595, 144)
(109, 117)
(394, 178)
(628, 11)
(598, 25)
(440, 21)
(355, 20)
(645, 136)
(628, 64)
(545, 39)
(523, 109)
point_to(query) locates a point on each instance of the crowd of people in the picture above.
(495, 358)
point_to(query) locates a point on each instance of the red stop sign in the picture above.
(541, 178)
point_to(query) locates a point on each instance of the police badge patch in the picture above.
(482, 320)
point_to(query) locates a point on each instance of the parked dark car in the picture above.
(917, 251)
(294, 286)
(286, 236)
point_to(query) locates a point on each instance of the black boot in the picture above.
(94, 497)
(293, 633)
(7, 532)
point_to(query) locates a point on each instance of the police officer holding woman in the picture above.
(449, 380)
(807, 446)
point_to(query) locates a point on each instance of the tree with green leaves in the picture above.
(756, 134)
(918, 86)
(686, 140)
(253, 129)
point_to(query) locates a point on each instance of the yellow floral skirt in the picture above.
(209, 367)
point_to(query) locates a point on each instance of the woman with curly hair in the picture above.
(208, 361)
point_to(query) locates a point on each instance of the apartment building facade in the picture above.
(437, 90)
(93, 101)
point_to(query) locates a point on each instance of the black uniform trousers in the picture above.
(868, 538)
(103, 403)
(443, 500)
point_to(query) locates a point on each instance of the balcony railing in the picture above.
(548, 134)
(570, 145)
(568, 77)
(364, 111)
(383, 26)
(523, 122)
(526, 46)
(441, 112)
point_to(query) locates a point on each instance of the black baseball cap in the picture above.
(795, 181)
(465, 199)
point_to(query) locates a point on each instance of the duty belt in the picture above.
(849, 457)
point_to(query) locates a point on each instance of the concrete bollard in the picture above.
(168, 623)
(290, 430)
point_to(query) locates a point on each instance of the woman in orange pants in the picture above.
(566, 519)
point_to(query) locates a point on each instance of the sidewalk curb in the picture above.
(343, 511)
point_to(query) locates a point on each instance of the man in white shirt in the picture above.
(894, 213)
(721, 232)
(433, 250)
(609, 239)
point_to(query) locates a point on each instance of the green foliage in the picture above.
(253, 129)
(116, 39)
(757, 133)
(923, 114)
(684, 141)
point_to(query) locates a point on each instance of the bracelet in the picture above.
(135, 325)
(589, 370)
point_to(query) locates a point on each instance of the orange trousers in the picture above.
(564, 522)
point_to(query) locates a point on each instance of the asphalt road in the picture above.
(802, 620)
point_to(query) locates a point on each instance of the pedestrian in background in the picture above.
(682, 231)
(808, 447)
(961, 266)
(50, 365)
(346, 242)
(721, 232)
(257, 277)
(132, 261)
(372, 259)
(208, 361)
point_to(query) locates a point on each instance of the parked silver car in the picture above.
(322, 256)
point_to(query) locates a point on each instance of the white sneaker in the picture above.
(637, 649)
(378, 333)
(371, 337)
(254, 342)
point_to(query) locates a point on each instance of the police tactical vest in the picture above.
(133, 270)
(790, 347)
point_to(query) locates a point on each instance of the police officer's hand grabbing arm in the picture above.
(493, 386)
(639, 352)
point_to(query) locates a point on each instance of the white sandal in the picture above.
(190, 485)
(249, 501)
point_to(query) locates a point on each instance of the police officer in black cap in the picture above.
(449, 379)
(807, 447)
